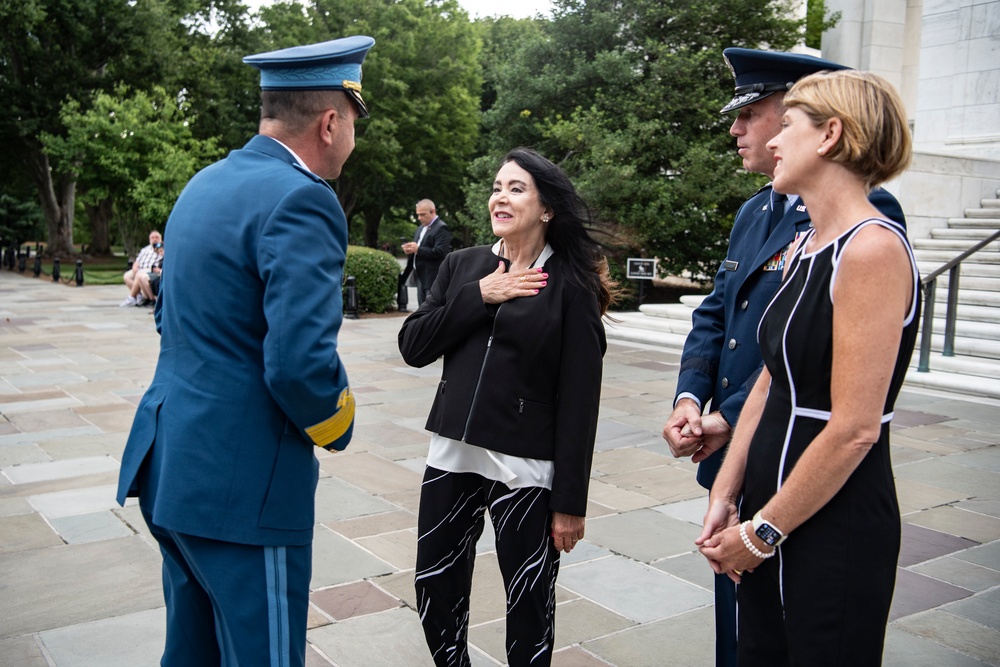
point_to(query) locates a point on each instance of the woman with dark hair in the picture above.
(515, 415)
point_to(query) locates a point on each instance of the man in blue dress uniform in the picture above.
(248, 382)
(721, 359)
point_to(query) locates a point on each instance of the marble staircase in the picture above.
(975, 368)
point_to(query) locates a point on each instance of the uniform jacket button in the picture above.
(745, 304)
(732, 343)
(725, 382)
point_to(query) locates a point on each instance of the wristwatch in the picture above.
(768, 533)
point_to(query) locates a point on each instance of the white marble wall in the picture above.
(958, 103)
(944, 57)
(870, 35)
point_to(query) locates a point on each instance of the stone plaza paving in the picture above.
(80, 576)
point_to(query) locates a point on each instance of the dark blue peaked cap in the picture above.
(763, 73)
(333, 65)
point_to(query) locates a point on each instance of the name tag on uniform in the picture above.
(730, 265)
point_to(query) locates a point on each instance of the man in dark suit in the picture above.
(431, 242)
(249, 382)
(721, 358)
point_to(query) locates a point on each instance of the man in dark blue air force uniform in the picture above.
(248, 382)
(721, 358)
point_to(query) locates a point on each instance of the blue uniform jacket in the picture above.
(721, 359)
(248, 378)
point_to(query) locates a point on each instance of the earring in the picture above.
(545, 218)
(820, 151)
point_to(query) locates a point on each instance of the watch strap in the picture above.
(767, 531)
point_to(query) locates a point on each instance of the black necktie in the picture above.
(777, 211)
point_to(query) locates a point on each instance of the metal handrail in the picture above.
(929, 284)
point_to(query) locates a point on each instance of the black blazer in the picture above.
(433, 249)
(522, 378)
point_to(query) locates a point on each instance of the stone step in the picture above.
(977, 298)
(941, 257)
(678, 323)
(958, 245)
(969, 269)
(975, 223)
(970, 329)
(985, 212)
(980, 348)
(671, 311)
(973, 367)
(989, 203)
(966, 313)
(939, 379)
(973, 282)
(633, 334)
(971, 233)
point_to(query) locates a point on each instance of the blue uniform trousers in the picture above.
(233, 604)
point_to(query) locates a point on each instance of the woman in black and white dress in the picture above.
(810, 457)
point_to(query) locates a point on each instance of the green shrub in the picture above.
(376, 276)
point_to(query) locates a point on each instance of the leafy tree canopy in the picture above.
(625, 94)
(421, 83)
(133, 148)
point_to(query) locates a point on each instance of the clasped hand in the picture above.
(721, 544)
(501, 286)
(688, 433)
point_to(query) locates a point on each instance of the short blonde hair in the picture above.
(875, 141)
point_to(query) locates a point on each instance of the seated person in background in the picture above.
(142, 264)
(149, 281)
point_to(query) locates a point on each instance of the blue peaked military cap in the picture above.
(333, 65)
(760, 74)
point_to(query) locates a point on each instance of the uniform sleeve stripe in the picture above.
(330, 429)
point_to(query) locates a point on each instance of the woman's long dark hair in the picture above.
(567, 230)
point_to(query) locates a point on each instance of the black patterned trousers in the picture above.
(451, 519)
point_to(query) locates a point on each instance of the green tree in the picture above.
(220, 92)
(818, 21)
(53, 50)
(20, 220)
(131, 152)
(422, 84)
(625, 95)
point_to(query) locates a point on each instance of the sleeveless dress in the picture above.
(824, 598)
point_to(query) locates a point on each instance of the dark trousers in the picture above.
(451, 519)
(725, 621)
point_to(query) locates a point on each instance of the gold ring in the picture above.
(739, 573)
(522, 279)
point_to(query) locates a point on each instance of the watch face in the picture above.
(768, 534)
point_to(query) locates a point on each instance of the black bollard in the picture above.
(402, 295)
(55, 270)
(38, 265)
(351, 305)
(22, 262)
(79, 273)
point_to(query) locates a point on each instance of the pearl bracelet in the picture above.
(749, 545)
